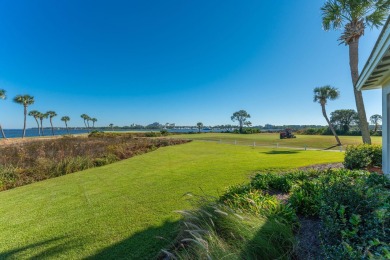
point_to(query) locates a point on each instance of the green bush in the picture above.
(362, 156)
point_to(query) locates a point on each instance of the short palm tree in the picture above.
(375, 119)
(24, 100)
(322, 95)
(199, 125)
(85, 117)
(51, 114)
(2, 96)
(35, 114)
(355, 16)
(94, 120)
(41, 117)
(112, 126)
(66, 119)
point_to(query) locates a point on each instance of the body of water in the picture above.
(31, 132)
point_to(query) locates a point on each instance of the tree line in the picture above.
(26, 101)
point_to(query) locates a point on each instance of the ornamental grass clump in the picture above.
(215, 231)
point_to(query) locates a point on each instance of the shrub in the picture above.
(362, 156)
(355, 210)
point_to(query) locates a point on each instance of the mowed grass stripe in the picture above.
(116, 211)
(271, 139)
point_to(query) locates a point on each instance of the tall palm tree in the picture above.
(35, 114)
(94, 120)
(354, 16)
(24, 100)
(322, 95)
(2, 96)
(66, 119)
(41, 117)
(51, 114)
(85, 117)
(375, 119)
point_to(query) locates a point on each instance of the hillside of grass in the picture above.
(125, 209)
(272, 139)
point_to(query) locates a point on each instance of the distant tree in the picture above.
(344, 118)
(35, 114)
(51, 114)
(24, 100)
(66, 119)
(199, 125)
(322, 95)
(240, 116)
(41, 117)
(2, 96)
(94, 120)
(112, 126)
(355, 15)
(85, 117)
(376, 119)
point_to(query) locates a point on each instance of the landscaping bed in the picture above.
(327, 214)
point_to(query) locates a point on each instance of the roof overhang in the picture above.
(376, 71)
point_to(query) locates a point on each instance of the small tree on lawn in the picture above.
(199, 125)
(376, 119)
(240, 116)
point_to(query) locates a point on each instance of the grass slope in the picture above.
(116, 211)
(267, 139)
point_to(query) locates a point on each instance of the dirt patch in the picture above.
(309, 246)
(323, 167)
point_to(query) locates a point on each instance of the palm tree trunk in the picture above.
(52, 129)
(25, 119)
(330, 124)
(67, 130)
(39, 129)
(376, 127)
(353, 64)
(2, 132)
(42, 128)
(86, 126)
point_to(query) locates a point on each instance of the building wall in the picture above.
(385, 129)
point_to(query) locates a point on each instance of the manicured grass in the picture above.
(118, 210)
(268, 139)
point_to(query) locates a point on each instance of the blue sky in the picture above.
(176, 61)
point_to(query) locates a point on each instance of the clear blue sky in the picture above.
(176, 61)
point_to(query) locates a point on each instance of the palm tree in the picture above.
(24, 100)
(199, 125)
(85, 117)
(112, 126)
(375, 119)
(93, 122)
(51, 114)
(322, 95)
(35, 114)
(2, 96)
(42, 116)
(66, 119)
(355, 15)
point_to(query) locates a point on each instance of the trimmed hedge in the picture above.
(363, 156)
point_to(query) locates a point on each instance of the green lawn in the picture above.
(118, 210)
(267, 139)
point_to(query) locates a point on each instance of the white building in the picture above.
(376, 75)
